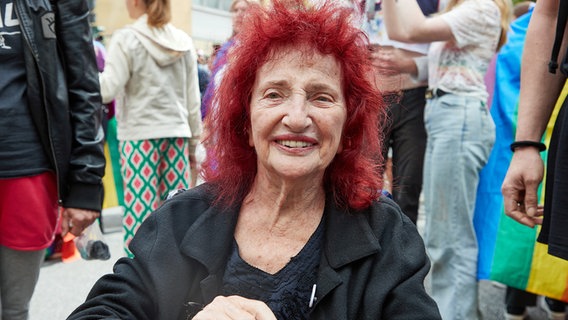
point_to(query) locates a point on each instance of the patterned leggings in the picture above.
(150, 169)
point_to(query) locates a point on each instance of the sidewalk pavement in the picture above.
(64, 286)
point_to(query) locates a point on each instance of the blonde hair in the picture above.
(506, 10)
(158, 11)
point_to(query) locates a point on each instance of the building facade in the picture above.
(208, 22)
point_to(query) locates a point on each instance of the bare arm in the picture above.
(405, 22)
(539, 92)
(537, 100)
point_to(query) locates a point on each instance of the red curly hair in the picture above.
(354, 177)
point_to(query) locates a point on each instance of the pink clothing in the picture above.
(489, 80)
(28, 211)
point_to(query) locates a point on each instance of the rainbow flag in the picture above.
(521, 262)
(508, 251)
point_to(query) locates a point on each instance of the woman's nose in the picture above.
(297, 116)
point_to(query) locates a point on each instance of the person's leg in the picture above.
(460, 136)
(174, 168)
(386, 130)
(19, 271)
(409, 146)
(139, 169)
(555, 309)
(28, 217)
(516, 303)
(440, 182)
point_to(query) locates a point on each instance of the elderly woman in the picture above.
(290, 224)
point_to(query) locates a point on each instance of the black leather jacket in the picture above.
(64, 95)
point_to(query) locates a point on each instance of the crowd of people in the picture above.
(285, 217)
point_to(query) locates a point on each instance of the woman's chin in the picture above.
(298, 173)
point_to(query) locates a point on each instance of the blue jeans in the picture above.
(461, 134)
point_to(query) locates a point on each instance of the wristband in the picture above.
(520, 144)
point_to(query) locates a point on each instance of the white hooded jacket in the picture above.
(156, 68)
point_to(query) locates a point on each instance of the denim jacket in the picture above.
(64, 95)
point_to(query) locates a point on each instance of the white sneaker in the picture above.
(552, 315)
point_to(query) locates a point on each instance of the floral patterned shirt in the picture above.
(459, 66)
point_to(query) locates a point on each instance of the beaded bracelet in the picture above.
(519, 144)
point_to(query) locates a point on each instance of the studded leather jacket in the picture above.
(64, 95)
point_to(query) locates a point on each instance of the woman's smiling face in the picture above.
(297, 114)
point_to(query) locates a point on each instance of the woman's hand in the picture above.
(390, 62)
(76, 220)
(235, 307)
(520, 187)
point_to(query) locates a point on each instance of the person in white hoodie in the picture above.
(154, 65)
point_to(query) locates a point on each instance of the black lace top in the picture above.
(287, 293)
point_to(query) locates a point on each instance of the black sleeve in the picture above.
(127, 293)
(408, 298)
(87, 160)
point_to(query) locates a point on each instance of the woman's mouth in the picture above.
(294, 143)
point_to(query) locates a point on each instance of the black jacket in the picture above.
(373, 265)
(64, 95)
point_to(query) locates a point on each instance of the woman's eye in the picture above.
(272, 95)
(324, 98)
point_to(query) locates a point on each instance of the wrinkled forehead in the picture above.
(291, 64)
(305, 56)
